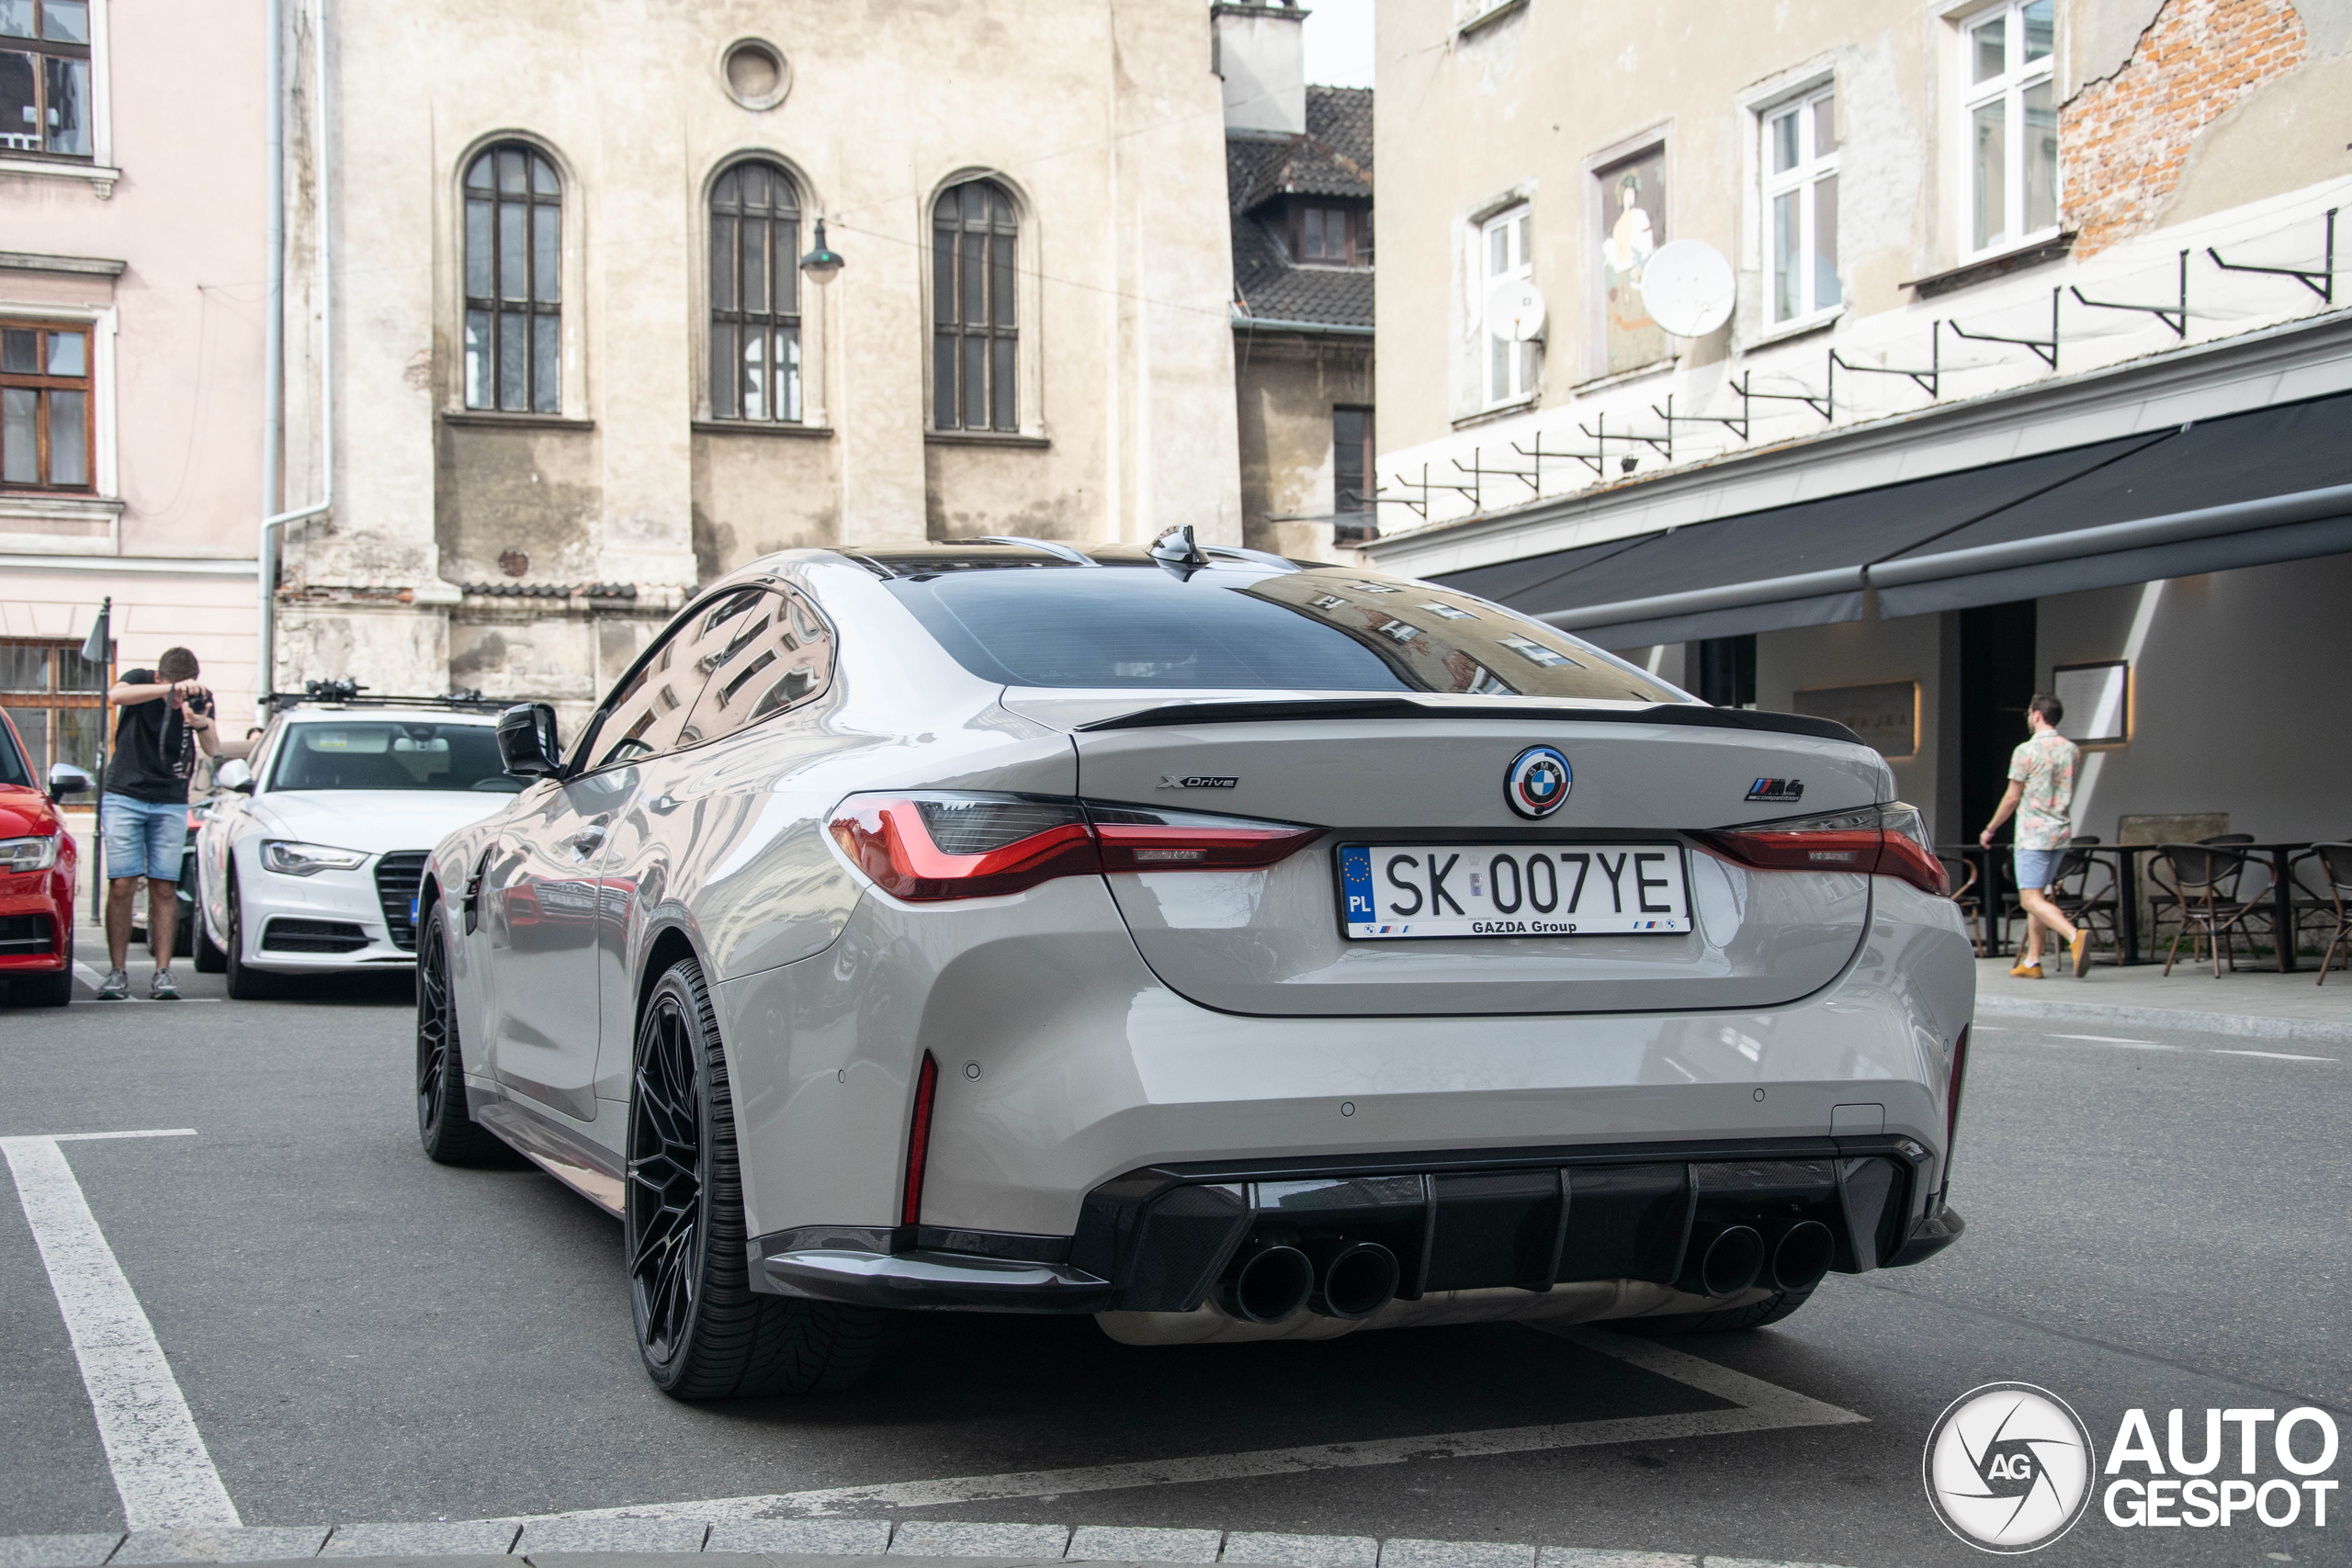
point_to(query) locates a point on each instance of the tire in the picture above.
(210, 957)
(245, 984)
(444, 1123)
(1732, 1320)
(702, 1331)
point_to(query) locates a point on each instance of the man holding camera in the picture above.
(164, 715)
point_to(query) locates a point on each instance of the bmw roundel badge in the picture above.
(1538, 781)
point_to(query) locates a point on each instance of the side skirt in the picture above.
(584, 1166)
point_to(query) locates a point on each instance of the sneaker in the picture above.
(117, 988)
(2081, 948)
(161, 988)
(2026, 972)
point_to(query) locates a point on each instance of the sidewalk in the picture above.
(2254, 1004)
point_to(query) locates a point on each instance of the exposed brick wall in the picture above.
(2124, 140)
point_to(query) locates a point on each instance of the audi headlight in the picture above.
(305, 860)
(28, 854)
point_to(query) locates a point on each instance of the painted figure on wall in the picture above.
(1632, 225)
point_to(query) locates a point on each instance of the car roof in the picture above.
(312, 713)
(988, 554)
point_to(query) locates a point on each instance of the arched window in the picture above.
(975, 340)
(755, 295)
(514, 282)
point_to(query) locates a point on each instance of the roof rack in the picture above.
(351, 694)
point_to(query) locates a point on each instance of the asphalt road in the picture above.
(2156, 1219)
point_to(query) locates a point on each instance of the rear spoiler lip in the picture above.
(1688, 715)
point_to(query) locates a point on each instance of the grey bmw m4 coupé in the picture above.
(1227, 948)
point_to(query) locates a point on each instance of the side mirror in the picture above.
(236, 773)
(65, 779)
(526, 741)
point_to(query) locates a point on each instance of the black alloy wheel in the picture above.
(444, 1124)
(247, 984)
(665, 1166)
(702, 1331)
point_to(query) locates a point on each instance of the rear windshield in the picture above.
(391, 754)
(1245, 629)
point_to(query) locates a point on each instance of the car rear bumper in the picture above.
(1067, 1070)
(1158, 1240)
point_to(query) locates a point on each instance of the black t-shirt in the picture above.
(154, 750)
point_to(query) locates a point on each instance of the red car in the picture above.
(36, 859)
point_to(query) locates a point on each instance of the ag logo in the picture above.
(2008, 1466)
(1537, 782)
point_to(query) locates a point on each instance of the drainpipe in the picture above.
(273, 349)
(274, 340)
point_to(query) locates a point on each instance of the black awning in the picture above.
(2245, 490)
(1790, 566)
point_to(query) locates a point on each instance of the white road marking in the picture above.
(2272, 1055)
(2106, 1040)
(1757, 1406)
(160, 1467)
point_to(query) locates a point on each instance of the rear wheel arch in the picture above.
(669, 944)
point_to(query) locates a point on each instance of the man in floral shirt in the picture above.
(2041, 792)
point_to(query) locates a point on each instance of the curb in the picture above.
(809, 1543)
(2237, 1025)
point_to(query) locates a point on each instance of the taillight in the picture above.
(927, 846)
(936, 845)
(1889, 840)
(1140, 839)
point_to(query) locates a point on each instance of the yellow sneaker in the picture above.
(2026, 972)
(2081, 950)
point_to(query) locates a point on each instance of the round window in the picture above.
(755, 74)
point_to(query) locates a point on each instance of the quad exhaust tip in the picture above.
(1272, 1283)
(1732, 1260)
(1803, 1256)
(1356, 1279)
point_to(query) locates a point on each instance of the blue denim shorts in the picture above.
(142, 838)
(2037, 868)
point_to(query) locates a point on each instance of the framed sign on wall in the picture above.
(2097, 699)
(1885, 715)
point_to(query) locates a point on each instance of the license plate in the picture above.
(1394, 891)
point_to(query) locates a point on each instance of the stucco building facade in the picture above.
(1992, 277)
(573, 369)
(131, 270)
(1299, 178)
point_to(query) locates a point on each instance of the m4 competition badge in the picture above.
(1776, 789)
(1537, 783)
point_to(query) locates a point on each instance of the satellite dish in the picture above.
(1689, 287)
(1515, 309)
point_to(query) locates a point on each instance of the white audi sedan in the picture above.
(1229, 949)
(311, 856)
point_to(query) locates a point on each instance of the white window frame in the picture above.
(100, 170)
(1801, 181)
(1515, 226)
(2008, 89)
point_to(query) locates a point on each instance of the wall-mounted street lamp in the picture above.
(821, 263)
